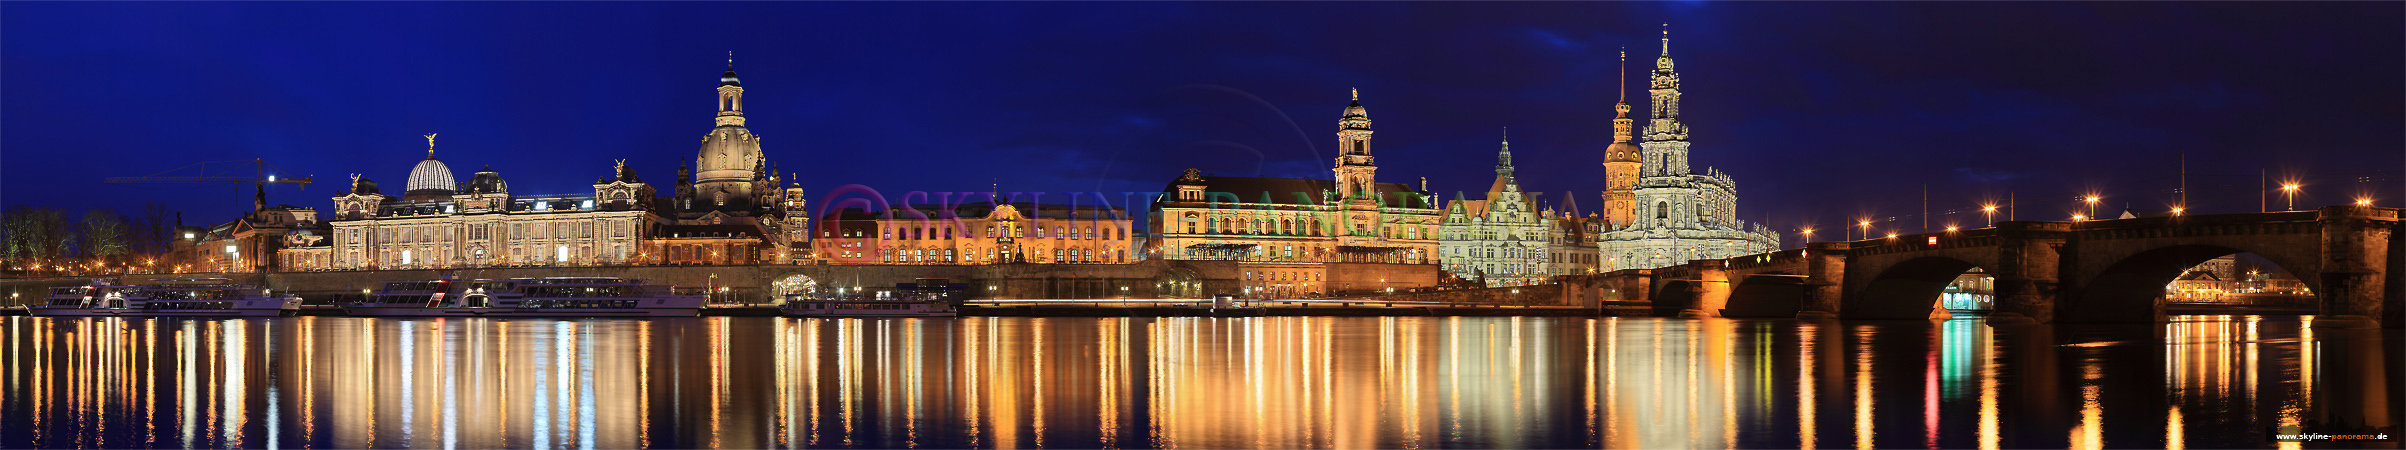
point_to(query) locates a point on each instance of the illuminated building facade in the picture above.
(1679, 215)
(251, 243)
(1349, 218)
(482, 224)
(977, 234)
(1501, 239)
(1571, 242)
(729, 212)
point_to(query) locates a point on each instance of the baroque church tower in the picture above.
(1355, 170)
(1621, 160)
(1679, 214)
(1666, 147)
(729, 165)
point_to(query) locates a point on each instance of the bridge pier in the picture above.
(2028, 267)
(2356, 254)
(1825, 280)
(1710, 293)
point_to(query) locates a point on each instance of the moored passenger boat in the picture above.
(192, 297)
(527, 297)
(927, 298)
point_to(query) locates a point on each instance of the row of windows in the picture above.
(1487, 252)
(540, 230)
(930, 255)
(914, 233)
(1284, 227)
(1284, 276)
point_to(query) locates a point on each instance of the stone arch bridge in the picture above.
(2092, 271)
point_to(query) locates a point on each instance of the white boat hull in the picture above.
(240, 308)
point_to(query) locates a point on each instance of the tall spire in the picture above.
(1503, 159)
(1621, 125)
(1666, 151)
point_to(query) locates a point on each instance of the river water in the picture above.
(1280, 382)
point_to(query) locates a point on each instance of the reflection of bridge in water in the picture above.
(2093, 271)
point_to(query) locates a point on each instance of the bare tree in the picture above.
(103, 235)
(152, 229)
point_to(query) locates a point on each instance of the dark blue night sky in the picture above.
(1822, 112)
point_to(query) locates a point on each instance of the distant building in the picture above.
(486, 225)
(978, 234)
(730, 212)
(2196, 286)
(250, 243)
(1974, 290)
(1500, 239)
(1571, 242)
(1679, 215)
(1285, 229)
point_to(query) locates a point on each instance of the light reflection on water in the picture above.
(1286, 382)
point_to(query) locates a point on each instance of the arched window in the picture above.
(1662, 210)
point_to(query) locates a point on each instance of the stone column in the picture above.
(1825, 279)
(2355, 263)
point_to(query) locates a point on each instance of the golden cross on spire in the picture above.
(430, 145)
(1357, 94)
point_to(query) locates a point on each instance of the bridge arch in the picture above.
(2130, 288)
(1908, 289)
(1672, 295)
(1766, 295)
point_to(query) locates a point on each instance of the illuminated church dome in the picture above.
(730, 158)
(431, 179)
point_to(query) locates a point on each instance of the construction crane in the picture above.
(261, 173)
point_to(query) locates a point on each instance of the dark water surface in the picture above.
(1281, 382)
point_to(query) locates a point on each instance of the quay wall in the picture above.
(752, 283)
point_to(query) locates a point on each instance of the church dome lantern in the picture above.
(486, 182)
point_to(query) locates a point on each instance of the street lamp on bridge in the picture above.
(2092, 200)
(1989, 212)
(2289, 193)
(1866, 228)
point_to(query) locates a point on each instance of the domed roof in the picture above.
(431, 176)
(729, 78)
(486, 182)
(1622, 152)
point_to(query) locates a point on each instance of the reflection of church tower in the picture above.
(728, 166)
(1355, 171)
(1620, 160)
